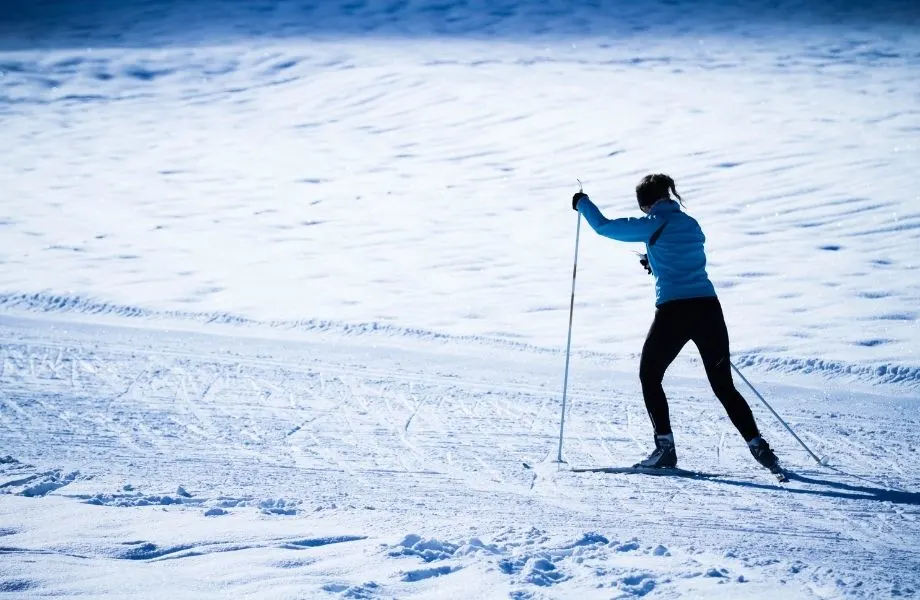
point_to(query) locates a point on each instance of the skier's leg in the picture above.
(711, 338)
(665, 338)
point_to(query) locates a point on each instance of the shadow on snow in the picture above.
(835, 489)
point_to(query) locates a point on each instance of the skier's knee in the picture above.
(650, 374)
(722, 388)
(721, 382)
(726, 392)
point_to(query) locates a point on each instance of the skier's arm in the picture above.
(628, 229)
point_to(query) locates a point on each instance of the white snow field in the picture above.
(284, 289)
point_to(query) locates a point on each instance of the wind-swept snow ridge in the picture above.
(907, 377)
(51, 303)
(880, 373)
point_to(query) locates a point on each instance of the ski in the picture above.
(661, 472)
(781, 475)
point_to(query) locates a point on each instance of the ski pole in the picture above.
(568, 344)
(775, 414)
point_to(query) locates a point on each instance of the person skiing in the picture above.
(687, 308)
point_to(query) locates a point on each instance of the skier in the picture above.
(687, 308)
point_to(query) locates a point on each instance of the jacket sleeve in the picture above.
(630, 229)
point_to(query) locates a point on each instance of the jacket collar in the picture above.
(665, 206)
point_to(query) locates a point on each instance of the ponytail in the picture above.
(673, 187)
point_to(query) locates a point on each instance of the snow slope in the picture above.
(284, 290)
(423, 181)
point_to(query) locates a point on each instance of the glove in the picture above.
(643, 260)
(578, 196)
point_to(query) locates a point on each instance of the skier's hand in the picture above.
(643, 260)
(578, 196)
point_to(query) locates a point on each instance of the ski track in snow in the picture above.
(214, 428)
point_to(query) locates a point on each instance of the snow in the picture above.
(285, 284)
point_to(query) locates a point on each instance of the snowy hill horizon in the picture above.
(285, 290)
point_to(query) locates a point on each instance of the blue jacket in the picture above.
(676, 257)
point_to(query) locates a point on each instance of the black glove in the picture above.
(578, 196)
(643, 260)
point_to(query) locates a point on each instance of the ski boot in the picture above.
(763, 454)
(663, 457)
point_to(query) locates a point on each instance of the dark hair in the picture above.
(654, 187)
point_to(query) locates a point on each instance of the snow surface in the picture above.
(285, 284)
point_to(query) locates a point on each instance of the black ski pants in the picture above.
(676, 323)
